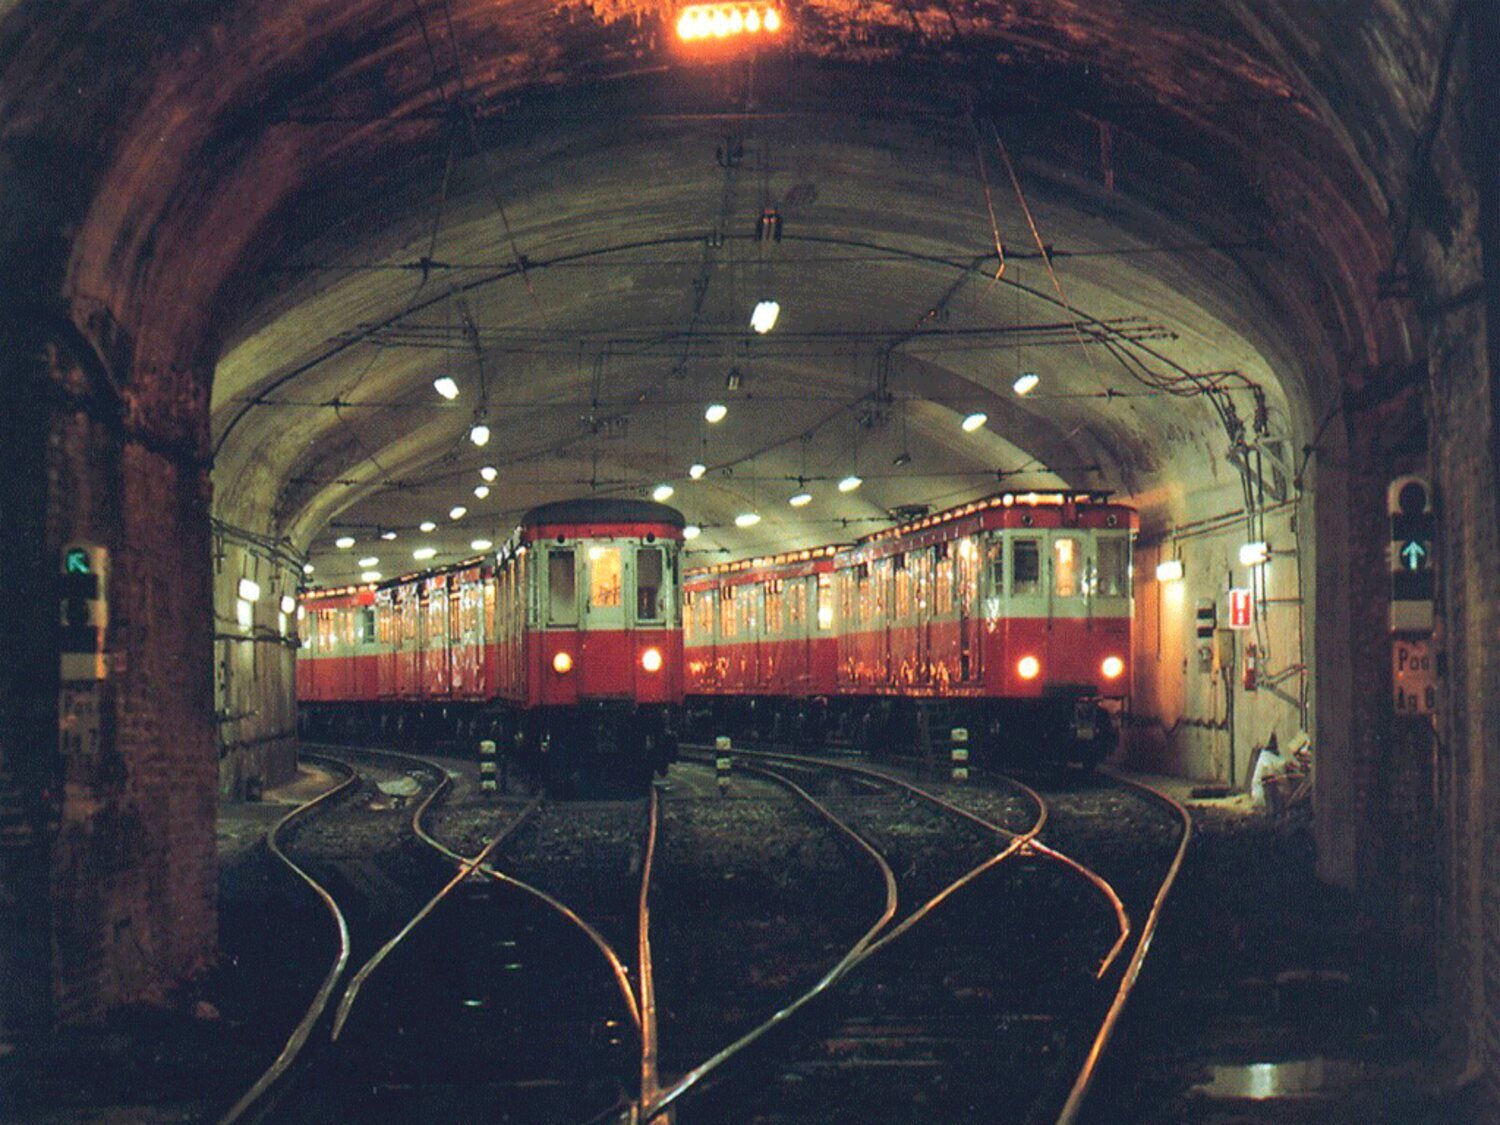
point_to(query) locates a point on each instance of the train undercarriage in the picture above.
(600, 748)
(1063, 729)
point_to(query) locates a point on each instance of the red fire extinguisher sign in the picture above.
(1241, 609)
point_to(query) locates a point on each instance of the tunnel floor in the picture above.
(1266, 998)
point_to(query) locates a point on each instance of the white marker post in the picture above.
(958, 753)
(487, 766)
(723, 762)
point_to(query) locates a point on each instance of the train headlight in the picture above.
(651, 660)
(1113, 667)
(1028, 667)
(562, 663)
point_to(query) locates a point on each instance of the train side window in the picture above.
(994, 552)
(727, 621)
(562, 589)
(1114, 568)
(1067, 567)
(1025, 567)
(604, 577)
(775, 605)
(367, 625)
(648, 575)
(825, 602)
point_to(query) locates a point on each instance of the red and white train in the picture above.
(1009, 617)
(565, 646)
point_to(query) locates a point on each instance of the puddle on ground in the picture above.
(1295, 1078)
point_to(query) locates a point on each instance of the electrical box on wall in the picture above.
(1207, 623)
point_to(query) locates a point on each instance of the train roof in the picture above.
(595, 509)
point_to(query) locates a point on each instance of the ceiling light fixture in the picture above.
(901, 459)
(428, 525)
(481, 545)
(1169, 570)
(1026, 383)
(369, 576)
(697, 469)
(747, 519)
(445, 386)
(1254, 554)
(974, 421)
(481, 491)
(662, 492)
(489, 473)
(368, 561)
(387, 535)
(715, 413)
(457, 512)
(850, 483)
(763, 319)
(691, 531)
(422, 554)
(344, 542)
(308, 568)
(801, 499)
(479, 433)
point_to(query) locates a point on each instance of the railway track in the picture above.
(973, 970)
(967, 1007)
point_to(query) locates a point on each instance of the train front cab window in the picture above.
(1112, 569)
(650, 592)
(562, 587)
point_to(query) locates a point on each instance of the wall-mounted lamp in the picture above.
(1169, 570)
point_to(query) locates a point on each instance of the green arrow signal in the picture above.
(1413, 553)
(77, 562)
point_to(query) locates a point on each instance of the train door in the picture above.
(1068, 642)
(966, 603)
(604, 650)
(1025, 611)
(652, 611)
(920, 565)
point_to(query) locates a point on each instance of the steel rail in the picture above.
(649, 1111)
(303, 1030)
(650, 1080)
(467, 868)
(1084, 1082)
(1025, 843)
(613, 959)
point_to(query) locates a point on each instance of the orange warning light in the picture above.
(720, 21)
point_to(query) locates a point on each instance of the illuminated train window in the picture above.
(1114, 568)
(604, 577)
(1067, 567)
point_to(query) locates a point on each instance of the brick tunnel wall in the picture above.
(133, 896)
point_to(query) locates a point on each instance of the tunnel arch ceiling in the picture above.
(600, 356)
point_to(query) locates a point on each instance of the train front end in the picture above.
(604, 666)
